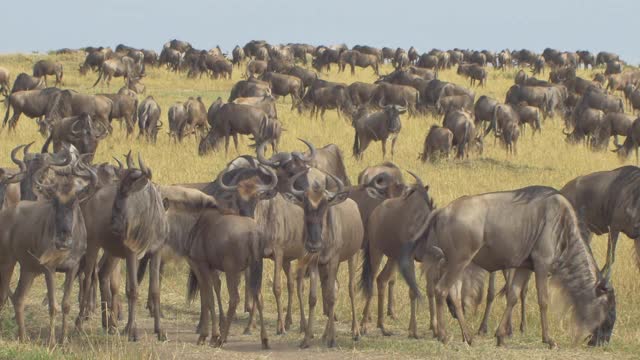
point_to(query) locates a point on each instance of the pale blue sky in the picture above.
(493, 24)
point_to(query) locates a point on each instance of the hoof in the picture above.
(392, 315)
(304, 344)
(215, 341)
(133, 336)
(552, 344)
(201, 339)
(385, 332)
(265, 344)
(162, 335)
(482, 330)
(331, 343)
(247, 331)
(413, 335)
(356, 337)
(112, 330)
(287, 323)
(500, 341)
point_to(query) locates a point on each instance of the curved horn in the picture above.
(144, 167)
(292, 181)
(274, 180)
(54, 159)
(224, 186)
(130, 164)
(25, 151)
(565, 132)
(120, 167)
(159, 125)
(262, 159)
(17, 161)
(418, 180)
(37, 179)
(340, 186)
(74, 130)
(312, 151)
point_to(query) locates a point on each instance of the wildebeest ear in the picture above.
(138, 184)
(165, 204)
(270, 194)
(339, 198)
(374, 193)
(292, 198)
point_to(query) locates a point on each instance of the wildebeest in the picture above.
(437, 144)
(474, 72)
(32, 103)
(238, 56)
(256, 68)
(631, 142)
(124, 67)
(378, 126)
(179, 45)
(401, 95)
(483, 109)
(251, 87)
(124, 106)
(532, 95)
(355, 58)
(43, 235)
(25, 81)
(233, 119)
(43, 68)
(32, 163)
(149, 119)
(529, 115)
(283, 85)
(93, 61)
(4, 81)
(333, 234)
(509, 136)
(465, 135)
(360, 93)
(389, 228)
(10, 187)
(171, 58)
(325, 59)
(586, 127)
(67, 103)
(132, 224)
(613, 67)
(549, 242)
(332, 96)
(178, 124)
(265, 103)
(80, 131)
(454, 102)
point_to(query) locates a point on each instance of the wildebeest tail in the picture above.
(135, 114)
(192, 286)
(45, 147)
(100, 74)
(6, 113)
(366, 279)
(256, 263)
(356, 144)
(142, 266)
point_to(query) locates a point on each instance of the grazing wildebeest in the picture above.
(360, 92)
(548, 243)
(334, 96)
(603, 202)
(233, 119)
(465, 135)
(149, 119)
(437, 144)
(43, 68)
(483, 109)
(587, 128)
(617, 124)
(80, 131)
(325, 59)
(391, 94)
(378, 126)
(196, 114)
(68, 103)
(211, 240)
(427, 61)
(474, 72)
(528, 115)
(32, 103)
(307, 76)
(256, 67)
(631, 142)
(133, 223)
(93, 61)
(333, 234)
(283, 85)
(251, 87)
(389, 228)
(265, 103)
(613, 67)
(178, 125)
(124, 67)
(454, 102)
(25, 81)
(44, 235)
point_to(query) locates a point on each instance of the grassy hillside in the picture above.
(543, 160)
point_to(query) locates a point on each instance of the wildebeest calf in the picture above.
(438, 143)
(377, 127)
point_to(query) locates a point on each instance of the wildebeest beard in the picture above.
(139, 219)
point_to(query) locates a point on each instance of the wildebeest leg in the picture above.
(384, 148)
(300, 272)
(132, 295)
(328, 275)
(286, 266)
(248, 299)
(154, 293)
(109, 315)
(491, 295)
(513, 290)
(393, 146)
(456, 296)
(66, 297)
(203, 275)
(51, 297)
(217, 285)
(233, 282)
(611, 250)
(24, 284)
(523, 305)
(277, 291)
(313, 299)
(382, 280)
(355, 330)
(390, 297)
(542, 284)
(89, 270)
(235, 141)
(322, 113)
(375, 258)
(453, 269)
(6, 272)
(432, 280)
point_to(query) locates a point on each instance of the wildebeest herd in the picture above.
(61, 212)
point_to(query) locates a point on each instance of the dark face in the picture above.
(64, 221)
(315, 208)
(133, 180)
(393, 120)
(602, 334)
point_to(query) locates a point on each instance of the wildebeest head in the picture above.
(32, 162)
(287, 164)
(241, 188)
(65, 192)
(393, 117)
(7, 179)
(309, 190)
(85, 134)
(382, 181)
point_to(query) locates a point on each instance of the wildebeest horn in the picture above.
(144, 167)
(292, 181)
(13, 178)
(25, 151)
(274, 180)
(312, 151)
(565, 132)
(224, 186)
(55, 160)
(17, 161)
(74, 129)
(37, 179)
(130, 164)
(332, 194)
(262, 159)
(418, 180)
(120, 166)
(159, 125)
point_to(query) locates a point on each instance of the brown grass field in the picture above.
(541, 160)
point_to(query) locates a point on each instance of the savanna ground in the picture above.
(543, 160)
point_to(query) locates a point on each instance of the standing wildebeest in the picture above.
(132, 223)
(474, 72)
(171, 58)
(454, 102)
(283, 85)
(509, 136)
(249, 88)
(605, 202)
(233, 119)
(360, 92)
(503, 114)
(465, 135)
(598, 99)
(149, 119)
(613, 67)
(238, 56)
(4, 81)
(334, 96)
(532, 95)
(530, 229)
(178, 125)
(401, 95)
(43, 68)
(67, 103)
(355, 58)
(179, 45)
(378, 126)
(587, 128)
(44, 235)
(25, 81)
(256, 67)
(390, 228)
(32, 103)
(124, 67)
(586, 58)
(124, 106)
(93, 61)
(333, 234)
(307, 76)
(437, 144)
(529, 115)
(604, 57)
(80, 131)
(483, 109)
(631, 142)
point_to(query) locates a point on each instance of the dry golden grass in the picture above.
(543, 160)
